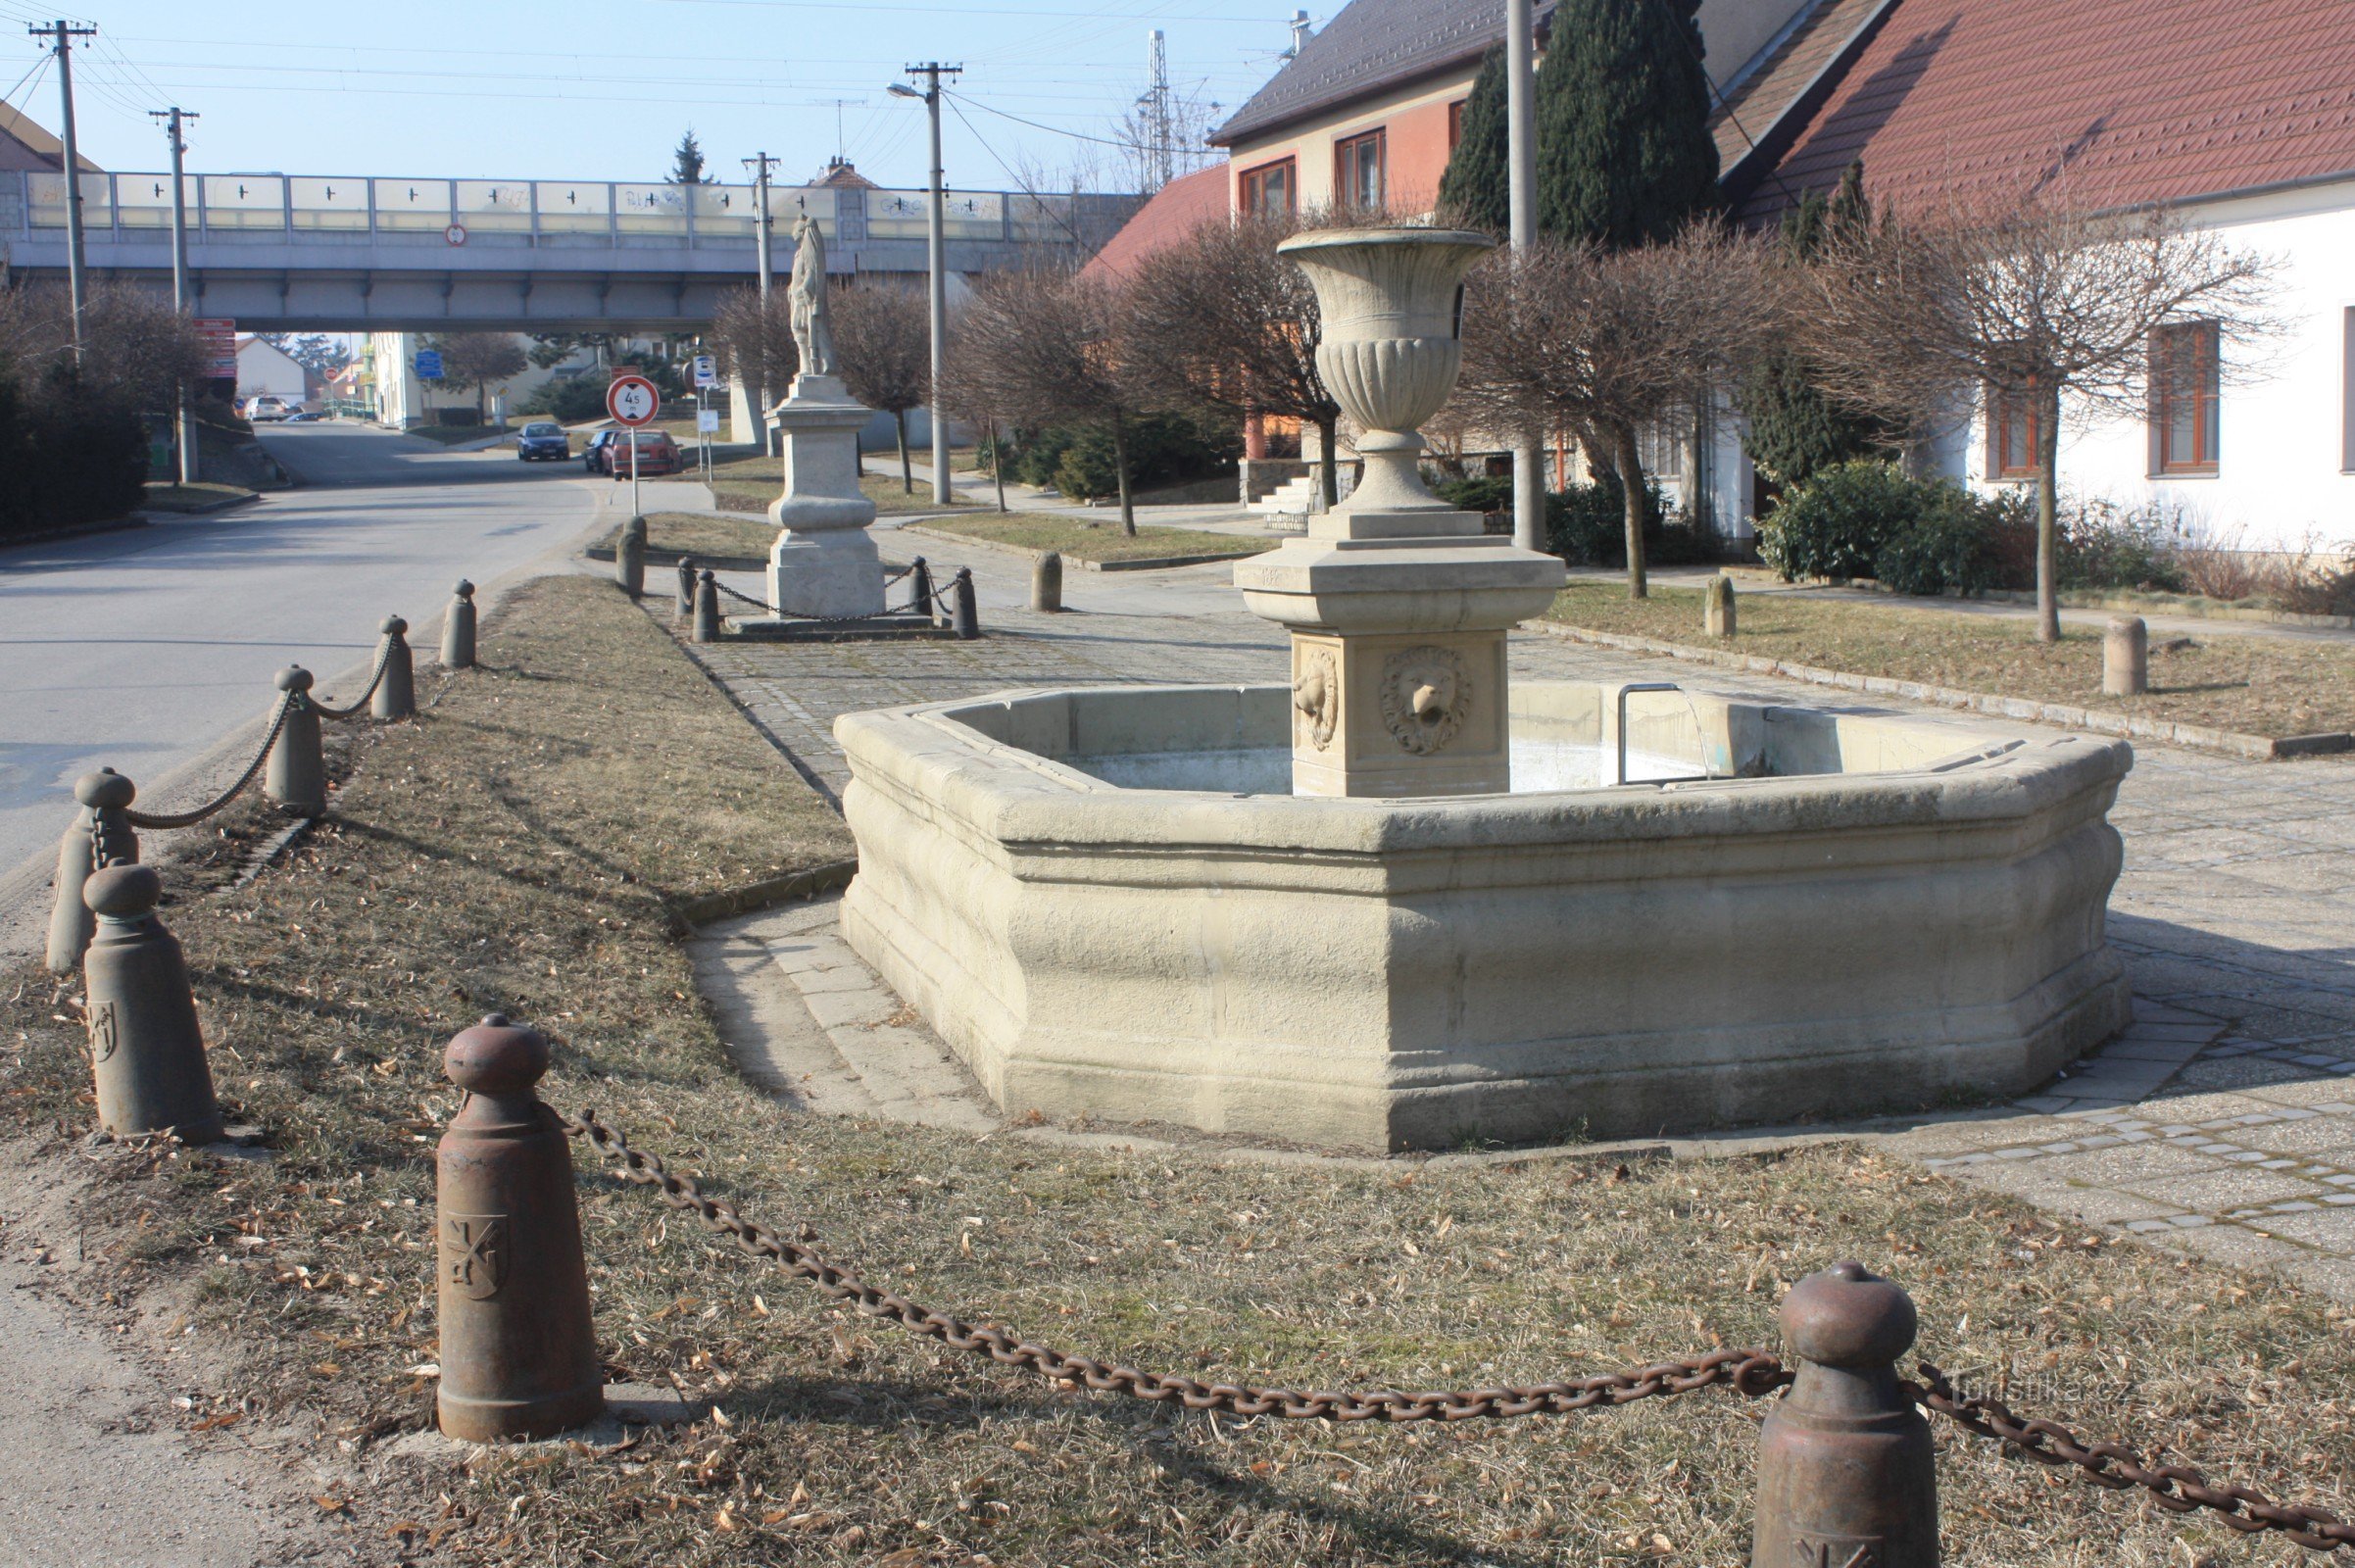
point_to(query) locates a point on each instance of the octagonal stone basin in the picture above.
(1861, 911)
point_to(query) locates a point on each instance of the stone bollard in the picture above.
(685, 609)
(919, 575)
(706, 608)
(1717, 606)
(457, 629)
(1047, 582)
(2125, 657)
(964, 615)
(295, 778)
(1844, 1464)
(519, 1346)
(100, 835)
(396, 693)
(146, 1054)
(629, 558)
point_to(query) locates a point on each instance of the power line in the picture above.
(1033, 124)
(1008, 169)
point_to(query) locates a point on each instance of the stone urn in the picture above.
(1391, 302)
(1396, 602)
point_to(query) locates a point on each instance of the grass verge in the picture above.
(197, 497)
(454, 435)
(704, 535)
(750, 483)
(1088, 539)
(2257, 685)
(521, 847)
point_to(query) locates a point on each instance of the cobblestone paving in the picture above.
(2222, 1122)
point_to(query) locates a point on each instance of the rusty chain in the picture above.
(2176, 1488)
(763, 605)
(1752, 1373)
(189, 818)
(383, 658)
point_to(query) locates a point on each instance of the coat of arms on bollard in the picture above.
(475, 1255)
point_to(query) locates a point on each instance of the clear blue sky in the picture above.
(603, 88)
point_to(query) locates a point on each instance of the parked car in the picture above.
(265, 408)
(658, 454)
(542, 439)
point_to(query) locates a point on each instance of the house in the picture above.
(24, 147)
(265, 369)
(1366, 113)
(2240, 119)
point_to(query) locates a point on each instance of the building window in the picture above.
(1267, 190)
(2013, 425)
(2185, 380)
(1455, 124)
(1357, 171)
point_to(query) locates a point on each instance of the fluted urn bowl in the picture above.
(1391, 305)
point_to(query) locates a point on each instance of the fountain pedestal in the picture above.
(1396, 602)
(823, 563)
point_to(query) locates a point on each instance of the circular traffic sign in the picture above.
(456, 233)
(632, 400)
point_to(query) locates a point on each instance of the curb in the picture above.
(766, 894)
(205, 510)
(2197, 737)
(672, 558)
(1145, 563)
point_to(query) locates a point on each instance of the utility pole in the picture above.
(175, 120)
(937, 247)
(61, 35)
(1521, 174)
(761, 163)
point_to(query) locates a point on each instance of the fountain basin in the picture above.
(1862, 912)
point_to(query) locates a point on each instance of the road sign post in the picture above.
(429, 370)
(706, 375)
(633, 400)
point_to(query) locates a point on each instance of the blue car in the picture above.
(542, 439)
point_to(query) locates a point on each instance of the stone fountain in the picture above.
(1397, 904)
(1396, 602)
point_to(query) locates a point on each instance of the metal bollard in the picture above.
(100, 835)
(2126, 656)
(295, 778)
(706, 608)
(519, 1346)
(629, 559)
(457, 629)
(919, 578)
(1047, 582)
(146, 1052)
(1844, 1464)
(1717, 606)
(685, 609)
(396, 693)
(964, 616)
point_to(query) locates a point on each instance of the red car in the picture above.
(658, 453)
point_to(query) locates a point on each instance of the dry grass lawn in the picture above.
(704, 535)
(751, 482)
(1098, 539)
(522, 845)
(2259, 685)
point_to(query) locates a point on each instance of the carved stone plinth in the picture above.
(823, 563)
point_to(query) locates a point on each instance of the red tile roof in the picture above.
(1176, 210)
(2129, 100)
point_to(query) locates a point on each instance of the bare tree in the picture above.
(1221, 321)
(1569, 336)
(884, 336)
(751, 338)
(135, 347)
(479, 360)
(1054, 348)
(2043, 302)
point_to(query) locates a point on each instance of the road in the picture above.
(142, 649)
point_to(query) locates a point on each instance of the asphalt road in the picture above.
(142, 649)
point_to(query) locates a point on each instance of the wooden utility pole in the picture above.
(937, 247)
(175, 120)
(60, 35)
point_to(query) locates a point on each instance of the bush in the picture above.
(1585, 524)
(1487, 494)
(2104, 545)
(72, 457)
(1917, 536)
(1948, 547)
(569, 399)
(1163, 449)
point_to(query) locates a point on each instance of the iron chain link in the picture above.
(763, 604)
(1753, 1373)
(384, 659)
(189, 818)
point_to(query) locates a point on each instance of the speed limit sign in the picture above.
(632, 400)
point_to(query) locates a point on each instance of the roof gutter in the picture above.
(1752, 168)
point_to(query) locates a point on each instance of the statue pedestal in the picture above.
(823, 563)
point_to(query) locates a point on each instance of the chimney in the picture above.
(1300, 34)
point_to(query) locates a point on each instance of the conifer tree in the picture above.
(1475, 190)
(1624, 152)
(1795, 428)
(687, 161)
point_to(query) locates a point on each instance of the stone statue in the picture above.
(812, 329)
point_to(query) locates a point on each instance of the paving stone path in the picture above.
(2221, 1123)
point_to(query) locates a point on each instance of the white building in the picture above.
(400, 400)
(264, 369)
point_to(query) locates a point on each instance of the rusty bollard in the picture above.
(396, 693)
(295, 778)
(1844, 1464)
(1717, 606)
(518, 1348)
(147, 1055)
(99, 835)
(919, 577)
(629, 558)
(1047, 582)
(684, 611)
(706, 608)
(458, 628)
(964, 615)
(2126, 656)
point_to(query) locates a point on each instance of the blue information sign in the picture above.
(429, 365)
